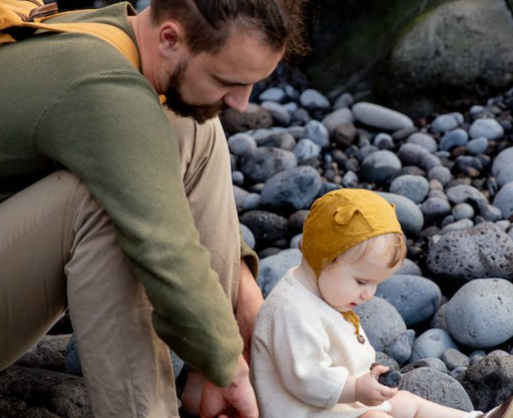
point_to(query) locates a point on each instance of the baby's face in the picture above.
(345, 284)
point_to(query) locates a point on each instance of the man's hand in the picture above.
(249, 301)
(234, 401)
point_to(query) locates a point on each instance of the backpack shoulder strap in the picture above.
(31, 14)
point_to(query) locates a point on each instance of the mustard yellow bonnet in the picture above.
(342, 219)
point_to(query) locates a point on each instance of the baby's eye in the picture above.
(360, 282)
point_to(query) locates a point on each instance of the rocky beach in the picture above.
(445, 320)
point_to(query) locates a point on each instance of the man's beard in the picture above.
(175, 102)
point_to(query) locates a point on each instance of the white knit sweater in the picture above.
(302, 352)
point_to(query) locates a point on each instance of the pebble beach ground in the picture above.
(445, 320)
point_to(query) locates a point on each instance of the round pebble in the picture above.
(444, 123)
(414, 188)
(381, 117)
(453, 139)
(380, 167)
(424, 140)
(311, 98)
(502, 169)
(487, 128)
(477, 146)
(432, 343)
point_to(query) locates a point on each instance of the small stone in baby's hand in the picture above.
(392, 378)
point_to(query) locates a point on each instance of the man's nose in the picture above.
(238, 98)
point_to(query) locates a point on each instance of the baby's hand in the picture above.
(369, 391)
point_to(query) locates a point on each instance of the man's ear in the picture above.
(171, 38)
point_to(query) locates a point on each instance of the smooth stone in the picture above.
(278, 111)
(463, 193)
(408, 213)
(498, 353)
(306, 149)
(435, 209)
(312, 99)
(415, 298)
(502, 169)
(385, 360)
(337, 118)
(291, 92)
(429, 383)
(438, 320)
(457, 372)
(297, 132)
(444, 123)
(273, 94)
(344, 100)
(297, 220)
(296, 240)
(264, 163)
(477, 146)
(295, 188)
(409, 267)
(453, 139)
(381, 322)
(237, 178)
(413, 154)
(489, 212)
(503, 225)
(461, 225)
(381, 117)
(432, 362)
(440, 173)
(438, 194)
(391, 378)
(455, 358)
(383, 141)
(267, 227)
(242, 144)
(48, 353)
(482, 251)
(290, 107)
(400, 348)
(463, 211)
(426, 141)
(252, 201)
(240, 196)
(487, 128)
(414, 188)
(318, 133)
(366, 150)
(274, 267)
(350, 179)
(380, 167)
(430, 161)
(498, 371)
(254, 118)
(480, 314)
(248, 236)
(432, 343)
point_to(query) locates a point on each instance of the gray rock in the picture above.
(415, 298)
(444, 123)
(73, 365)
(440, 173)
(306, 149)
(255, 117)
(477, 146)
(457, 372)
(498, 353)
(462, 211)
(312, 99)
(381, 322)
(252, 201)
(438, 387)
(350, 179)
(400, 348)
(267, 227)
(264, 163)
(432, 362)
(318, 133)
(463, 193)
(453, 139)
(486, 128)
(280, 114)
(237, 178)
(380, 117)
(274, 267)
(424, 140)
(385, 360)
(489, 212)
(414, 188)
(461, 225)
(344, 100)
(242, 144)
(248, 236)
(438, 320)
(383, 141)
(380, 167)
(412, 154)
(48, 353)
(408, 213)
(502, 168)
(504, 200)
(295, 241)
(273, 94)
(454, 358)
(489, 381)
(409, 267)
(295, 188)
(480, 314)
(431, 343)
(482, 251)
(435, 209)
(337, 118)
(240, 196)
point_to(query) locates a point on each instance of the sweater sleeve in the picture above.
(110, 130)
(299, 344)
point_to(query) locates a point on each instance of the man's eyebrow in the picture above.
(230, 82)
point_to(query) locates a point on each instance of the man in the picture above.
(98, 214)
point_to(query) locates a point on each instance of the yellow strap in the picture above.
(354, 319)
(109, 33)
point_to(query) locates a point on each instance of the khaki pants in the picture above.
(58, 249)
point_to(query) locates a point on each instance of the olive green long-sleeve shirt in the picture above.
(73, 100)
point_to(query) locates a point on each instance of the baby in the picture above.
(310, 358)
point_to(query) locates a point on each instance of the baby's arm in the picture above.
(366, 388)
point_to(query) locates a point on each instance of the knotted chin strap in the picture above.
(355, 320)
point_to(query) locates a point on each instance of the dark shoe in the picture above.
(504, 410)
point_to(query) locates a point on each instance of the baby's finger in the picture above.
(378, 370)
(387, 392)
